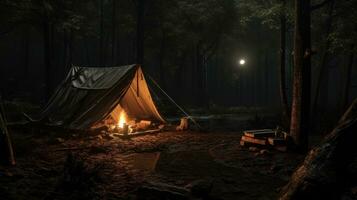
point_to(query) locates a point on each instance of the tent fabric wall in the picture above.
(137, 101)
(90, 94)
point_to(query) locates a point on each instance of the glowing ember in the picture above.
(122, 119)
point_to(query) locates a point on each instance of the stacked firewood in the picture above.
(269, 138)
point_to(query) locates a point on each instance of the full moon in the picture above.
(241, 61)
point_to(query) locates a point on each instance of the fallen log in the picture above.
(323, 174)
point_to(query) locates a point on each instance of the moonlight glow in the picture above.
(241, 61)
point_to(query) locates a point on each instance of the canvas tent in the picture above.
(88, 95)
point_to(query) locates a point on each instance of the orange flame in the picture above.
(122, 119)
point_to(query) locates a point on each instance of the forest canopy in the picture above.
(190, 46)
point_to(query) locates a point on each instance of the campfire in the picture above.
(122, 119)
(121, 123)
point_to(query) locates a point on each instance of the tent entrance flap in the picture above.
(137, 101)
(136, 104)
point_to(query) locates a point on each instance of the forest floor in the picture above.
(73, 166)
(54, 165)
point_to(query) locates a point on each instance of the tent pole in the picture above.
(179, 107)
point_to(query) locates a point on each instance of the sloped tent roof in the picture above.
(90, 94)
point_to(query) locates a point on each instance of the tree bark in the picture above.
(324, 171)
(47, 57)
(68, 46)
(71, 47)
(283, 96)
(26, 55)
(323, 63)
(300, 113)
(65, 48)
(114, 30)
(162, 52)
(347, 84)
(101, 36)
(161, 59)
(200, 77)
(140, 32)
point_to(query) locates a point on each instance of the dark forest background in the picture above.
(191, 47)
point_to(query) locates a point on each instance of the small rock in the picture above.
(200, 188)
(263, 152)
(99, 137)
(59, 140)
(253, 149)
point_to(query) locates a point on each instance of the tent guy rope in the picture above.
(178, 106)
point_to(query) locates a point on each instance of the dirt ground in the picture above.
(81, 166)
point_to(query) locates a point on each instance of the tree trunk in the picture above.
(140, 32)
(283, 96)
(201, 99)
(47, 58)
(205, 99)
(114, 30)
(65, 51)
(68, 46)
(26, 55)
(71, 48)
(101, 48)
(161, 59)
(324, 171)
(347, 84)
(162, 52)
(299, 127)
(323, 68)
